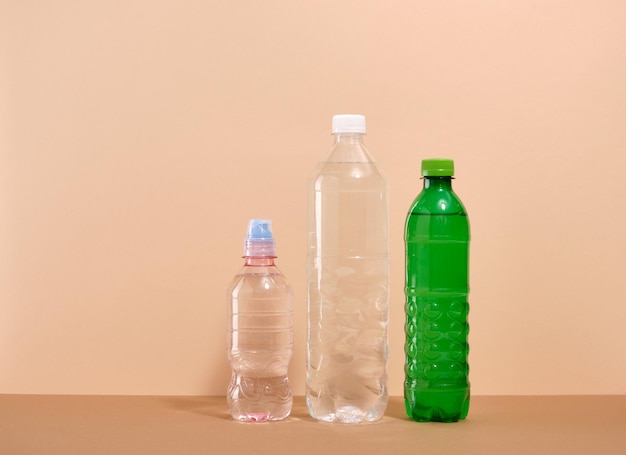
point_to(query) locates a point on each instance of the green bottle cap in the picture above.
(437, 167)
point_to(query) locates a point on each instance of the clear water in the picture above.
(346, 377)
(260, 343)
(348, 282)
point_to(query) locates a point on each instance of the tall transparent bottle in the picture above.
(260, 333)
(348, 276)
(437, 236)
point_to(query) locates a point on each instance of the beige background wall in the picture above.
(138, 137)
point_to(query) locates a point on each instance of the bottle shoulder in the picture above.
(437, 214)
(437, 202)
(349, 150)
(349, 175)
(260, 280)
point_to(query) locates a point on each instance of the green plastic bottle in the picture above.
(437, 236)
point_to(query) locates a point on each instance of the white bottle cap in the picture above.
(348, 123)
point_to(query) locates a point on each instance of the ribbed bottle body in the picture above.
(260, 344)
(437, 285)
(348, 288)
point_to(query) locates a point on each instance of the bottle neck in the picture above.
(263, 261)
(438, 183)
(348, 137)
(349, 148)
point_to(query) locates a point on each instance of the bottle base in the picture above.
(258, 417)
(349, 414)
(257, 399)
(437, 405)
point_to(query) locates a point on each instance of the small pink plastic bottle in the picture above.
(260, 332)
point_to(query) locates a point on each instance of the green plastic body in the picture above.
(437, 236)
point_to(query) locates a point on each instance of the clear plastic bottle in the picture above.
(437, 238)
(348, 282)
(260, 332)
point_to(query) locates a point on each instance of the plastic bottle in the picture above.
(437, 239)
(348, 275)
(260, 332)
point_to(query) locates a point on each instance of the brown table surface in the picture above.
(92, 425)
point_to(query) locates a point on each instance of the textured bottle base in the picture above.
(327, 411)
(253, 399)
(437, 405)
